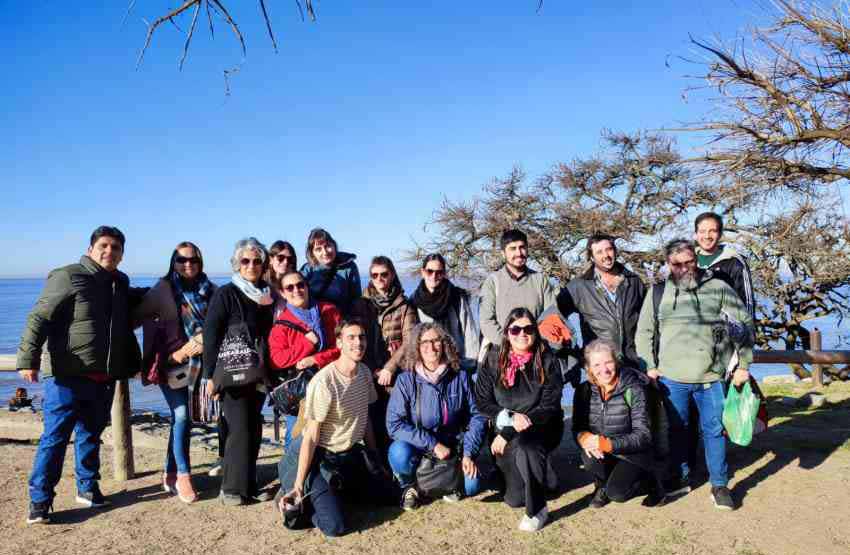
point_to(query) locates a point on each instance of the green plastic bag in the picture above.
(739, 414)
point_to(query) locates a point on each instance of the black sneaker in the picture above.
(93, 498)
(39, 512)
(722, 498)
(600, 498)
(410, 499)
(678, 486)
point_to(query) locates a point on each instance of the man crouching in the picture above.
(329, 461)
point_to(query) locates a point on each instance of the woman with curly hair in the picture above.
(519, 391)
(432, 412)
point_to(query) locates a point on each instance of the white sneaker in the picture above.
(215, 470)
(451, 498)
(534, 523)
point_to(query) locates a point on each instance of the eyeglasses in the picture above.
(189, 259)
(434, 343)
(382, 275)
(527, 330)
(281, 258)
(435, 273)
(684, 263)
(251, 262)
(293, 286)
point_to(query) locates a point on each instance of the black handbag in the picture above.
(435, 477)
(241, 357)
(288, 394)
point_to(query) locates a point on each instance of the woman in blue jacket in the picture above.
(432, 409)
(332, 276)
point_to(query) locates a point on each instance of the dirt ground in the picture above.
(793, 484)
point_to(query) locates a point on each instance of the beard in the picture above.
(687, 281)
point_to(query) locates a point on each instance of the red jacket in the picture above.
(287, 346)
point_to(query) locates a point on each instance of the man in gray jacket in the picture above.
(514, 285)
(608, 298)
(83, 317)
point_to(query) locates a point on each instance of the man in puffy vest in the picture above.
(82, 316)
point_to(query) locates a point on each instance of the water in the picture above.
(17, 297)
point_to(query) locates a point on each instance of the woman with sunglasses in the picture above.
(282, 259)
(246, 299)
(438, 300)
(519, 390)
(389, 319)
(432, 410)
(174, 311)
(303, 335)
(333, 276)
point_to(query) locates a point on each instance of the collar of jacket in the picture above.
(98, 272)
(528, 271)
(727, 252)
(589, 274)
(447, 375)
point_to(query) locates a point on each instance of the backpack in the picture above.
(659, 424)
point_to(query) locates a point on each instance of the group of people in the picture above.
(404, 394)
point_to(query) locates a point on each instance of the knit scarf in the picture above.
(517, 361)
(383, 302)
(437, 304)
(192, 301)
(261, 296)
(430, 376)
(312, 318)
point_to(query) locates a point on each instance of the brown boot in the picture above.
(185, 491)
(169, 480)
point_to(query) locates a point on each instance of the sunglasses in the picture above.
(283, 257)
(251, 262)
(382, 275)
(435, 273)
(293, 286)
(527, 330)
(189, 259)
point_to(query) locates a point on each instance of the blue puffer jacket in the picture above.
(448, 409)
(344, 287)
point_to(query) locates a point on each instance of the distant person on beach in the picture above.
(611, 424)
(243, 306)
(173, 313)
(335, 456)
(608, 298)
(519, 391)
(432, 413)
(685, 344)
(333, 276)
(302, 336)
(282, 259)
(83, 315)
(514, 285)
(389, 318)
(439, 300)
(722, 259)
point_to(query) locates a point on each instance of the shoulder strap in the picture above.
(292, 325)
(628, 397)
(418, 404)
(657, 294)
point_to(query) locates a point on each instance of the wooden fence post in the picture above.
(817, 369)
(122, 434)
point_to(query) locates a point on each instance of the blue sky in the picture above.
(361, 123)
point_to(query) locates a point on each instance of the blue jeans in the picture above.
(404, 459)
(290, 420)
(71, 404)
(177, 454)
(708, 399)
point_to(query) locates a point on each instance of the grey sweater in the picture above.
(532, 291)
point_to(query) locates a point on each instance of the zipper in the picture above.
(109, 332)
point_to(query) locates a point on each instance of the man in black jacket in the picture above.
(82, 315)
(724, 261)
(608, 298)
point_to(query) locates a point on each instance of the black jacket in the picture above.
(625, 422)
(731, 267)
(224, 311)
(599, 317)
(83, 315)
(540, 402)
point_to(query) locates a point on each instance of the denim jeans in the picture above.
(708, 399)
(404, 459)
(177, 454)
(71, 404)
(290, 420)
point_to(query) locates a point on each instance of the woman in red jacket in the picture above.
(303, 334)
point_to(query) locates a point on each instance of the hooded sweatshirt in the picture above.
(694, 345)
(344, 281)
(731, 267)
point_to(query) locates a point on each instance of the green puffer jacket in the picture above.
(72, 316)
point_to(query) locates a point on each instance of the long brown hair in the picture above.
(505, 349)
(174, 254)
(271, 277)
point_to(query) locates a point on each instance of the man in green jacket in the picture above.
(82, 316)
(686, 345)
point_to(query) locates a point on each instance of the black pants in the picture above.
(527, 472)
(242, 408)
(222, 435)
(621, 479)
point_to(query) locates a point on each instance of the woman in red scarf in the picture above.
(519, 390)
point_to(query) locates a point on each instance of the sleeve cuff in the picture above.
(605, 445)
